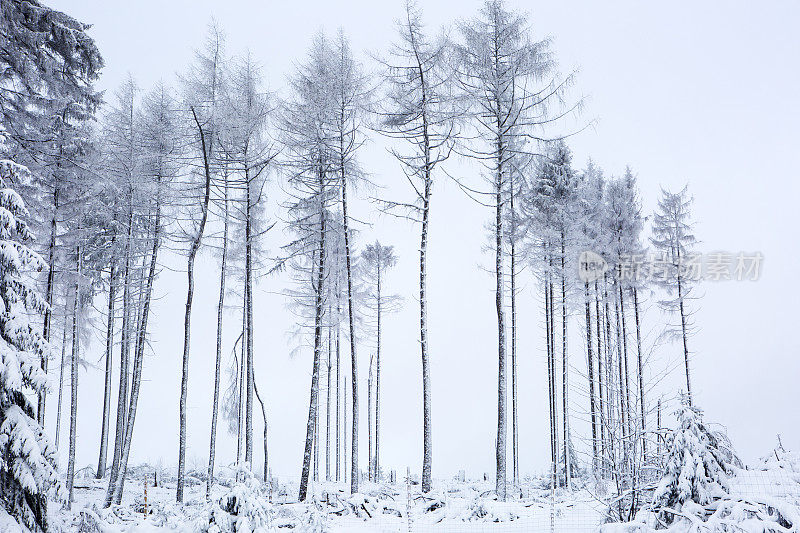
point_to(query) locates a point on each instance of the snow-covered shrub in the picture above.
(486, 510)
(781, 459)
(696, 470)
(243, 509)
(27, 457)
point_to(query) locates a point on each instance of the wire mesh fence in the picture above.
(764, 499)
(755, 496)
(468, 506)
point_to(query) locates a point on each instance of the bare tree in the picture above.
(673, 240)
(160, 147)
(376, 260)
(419, 109)
(306, 127)
(350, 100)
(202, 88)
(245, 155)
(506, 80)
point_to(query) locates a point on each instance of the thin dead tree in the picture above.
(350, 94)
(202, 87)
(245, 156)
(509, 84)
(673, 241)
(419, 109)
(160, 149)
(308, 157)
(376, 260)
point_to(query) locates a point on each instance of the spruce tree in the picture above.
(27, 457)
(696, 468)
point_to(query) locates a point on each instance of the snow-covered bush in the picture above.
(27, 457)
(697, 468)
(781, 459)
(243, 509)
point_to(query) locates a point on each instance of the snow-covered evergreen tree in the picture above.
(696, 467)
(27, 457)
(552, 203)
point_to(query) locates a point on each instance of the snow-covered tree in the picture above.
(553, 202)
(349, 93)
(49, 62)
(376, 260)
(673, 242)
(623, 227)
(419, 108)
(508, 81)
(307, 134)
(48, 66)
(697, 467)
(202, 87)
(27, 457)
(589, 237)
(160, 151)
(244, 154)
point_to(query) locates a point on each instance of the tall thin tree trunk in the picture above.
(427, 431)
(61, 374)
(514, 419)
(351, 322)
(370, 462)
(51, 271)
(311, 427)
(685, 345)
(565, 369)
(550, 381)
(376, 465)
(318, 428)
(500, 485)
(218, 359)
(640, 365)
(609, 370)
(101, 462)
(553, 398)
(73, 407)
(240, 379)
(250, 383)
(592, 413)
(600, 379)
(623, 407)
(338, 391)
(195, 246)
(328, 403)
(185, 379)
(629, 410)
(344, 428)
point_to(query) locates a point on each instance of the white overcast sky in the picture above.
(683, 92)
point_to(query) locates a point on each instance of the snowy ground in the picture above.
(757, 496)
(386, 507)
(762, 499)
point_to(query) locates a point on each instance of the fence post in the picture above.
(408, 498)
